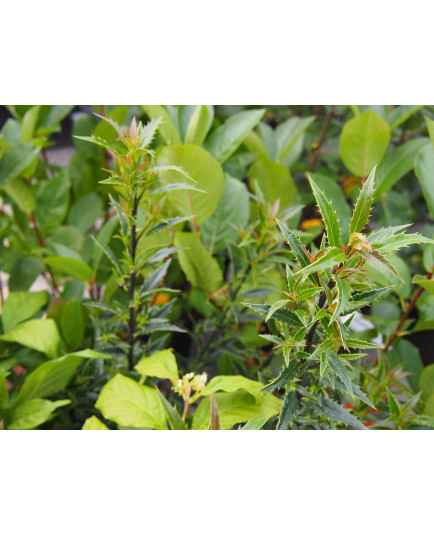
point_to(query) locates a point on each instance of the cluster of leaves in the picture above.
(163, 234)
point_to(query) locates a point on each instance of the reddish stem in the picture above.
(406, 313)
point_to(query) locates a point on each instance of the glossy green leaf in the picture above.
(84, 213)
(128, 403)
(289, 132)
(72, 324)
(24, 273)
(427, 284)
(227, 138)
(40, 335)
(21, 195)
(426, 382)
(233, 209)
(207, 174)
(70, 266)
(329, 216)
(363, 142)
(424, 168)
(274, 180)
(32, 413)
(161, 364)
(52, 201)
(430, 127)
(54, 375)
(51, 115)
(200, 268)
(20, 306)
(15, 160)
(362, 209)
(396, 164)
(400, 114)
(199, 124)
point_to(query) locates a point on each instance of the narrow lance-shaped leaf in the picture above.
(362, 209)
(288, 410)
(378, 260)
(328, 215)
(296, 247)
(344, 294)
(332, 257)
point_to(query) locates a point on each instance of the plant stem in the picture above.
(131, 288)
(406, 313)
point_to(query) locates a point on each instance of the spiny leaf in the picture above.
(275, 307)
(378, 260)
(288, 410)
(295, 245)
(332, 257)
(286, 316)
(344, 294)
(331, 410)
(337, 366)
(362, 209)
(328, 215)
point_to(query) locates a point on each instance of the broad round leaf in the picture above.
(203, 169)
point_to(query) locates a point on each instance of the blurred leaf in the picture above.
(70, 266)
(396, 164)
(274, 180)
(289, 132)
(52, 200)
(363, 143)
(204, 170)
(72, 324)
(84, 213)
(233, 208)
(200, 268)
(424, 168)
(32, 413)
(41, 335)
(227, 138)
(15, 160)
(199, 124)
(24, 273)
(167, 128)
(20, 306)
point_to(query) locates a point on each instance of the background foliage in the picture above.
(126, 272)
